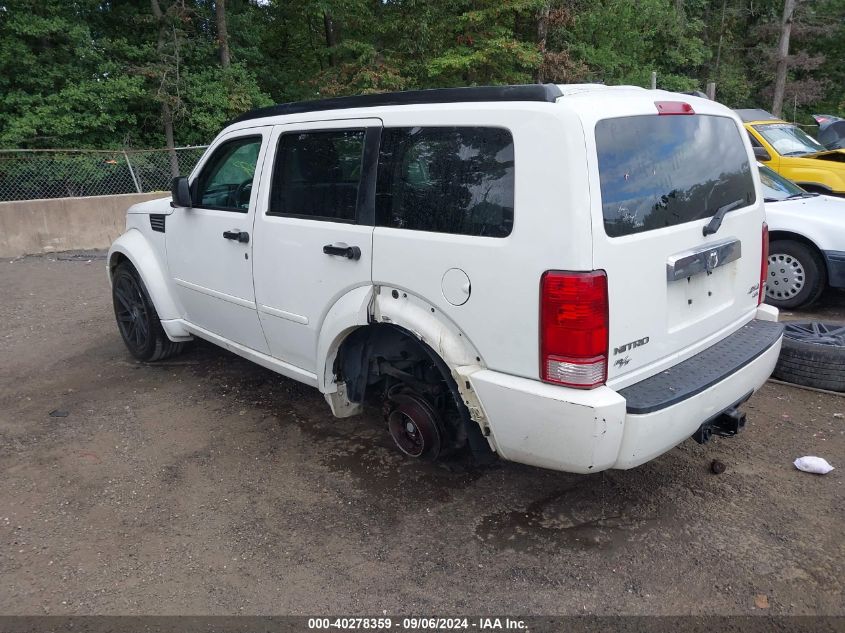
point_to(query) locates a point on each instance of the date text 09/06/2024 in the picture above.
(417, 624)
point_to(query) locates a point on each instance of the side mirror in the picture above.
(181, 193)
(760, 153)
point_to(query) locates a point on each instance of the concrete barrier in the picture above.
(28, 227)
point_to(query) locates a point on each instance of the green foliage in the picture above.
(58, 87)
(213, 96)
(484, 45)
(28, 176)
(828, 41)
(622, 42)
(88, 73)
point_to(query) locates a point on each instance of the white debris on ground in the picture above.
(812, 464)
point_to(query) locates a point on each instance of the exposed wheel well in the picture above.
(379, 360)
(361, 358)
(775, 236)
(116, 260)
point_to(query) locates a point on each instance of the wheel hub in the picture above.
(786, 276)
(130, 312)
(414, 426)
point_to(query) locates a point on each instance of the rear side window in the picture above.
(658, 171)
(446, 180)
(317, 175)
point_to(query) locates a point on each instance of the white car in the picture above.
(807, 242)
(567, 276)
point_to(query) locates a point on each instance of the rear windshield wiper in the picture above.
(716, 221)
(803, 194)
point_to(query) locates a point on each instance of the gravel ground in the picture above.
(208, 485)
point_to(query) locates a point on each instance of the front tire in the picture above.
(137, 319)
(796, 275)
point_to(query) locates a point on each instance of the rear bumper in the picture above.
(589, 431)
(835, 268)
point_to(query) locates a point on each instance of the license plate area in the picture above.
(697, 298)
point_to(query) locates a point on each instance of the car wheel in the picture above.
(813, 355)
(137, 319)
(796, 275)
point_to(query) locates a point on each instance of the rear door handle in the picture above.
(350, 252)
(238, 235)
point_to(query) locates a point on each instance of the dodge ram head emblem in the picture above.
(712, 260)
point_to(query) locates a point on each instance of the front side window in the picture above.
(446, 180)
(225, 181)
(658, 171)
(789, 140)
(317, 175)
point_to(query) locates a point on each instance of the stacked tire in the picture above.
(813, 355)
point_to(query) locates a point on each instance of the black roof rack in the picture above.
(529, 92)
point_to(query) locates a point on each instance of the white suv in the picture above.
(568, 276)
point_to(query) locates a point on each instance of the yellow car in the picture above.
(794, 154)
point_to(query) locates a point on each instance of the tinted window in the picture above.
(446, 180)
(225, 181)
(659, 171)
(317, 175)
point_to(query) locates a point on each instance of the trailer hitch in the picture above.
(725, 424)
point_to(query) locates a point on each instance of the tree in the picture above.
(168, 75)
(148, 73)
(488, 42)
(588, 36)
(542, 33)
(58, 87)
(783, 57)
(331, 35)
(222, 32)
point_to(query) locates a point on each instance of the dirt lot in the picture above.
(208, 485)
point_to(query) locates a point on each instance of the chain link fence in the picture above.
(34, 174)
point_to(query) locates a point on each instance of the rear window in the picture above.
(658, 171)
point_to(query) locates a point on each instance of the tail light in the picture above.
(573, 328)
(764, 264)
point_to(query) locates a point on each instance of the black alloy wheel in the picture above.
(137, 319)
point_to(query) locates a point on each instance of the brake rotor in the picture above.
(414, 426)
